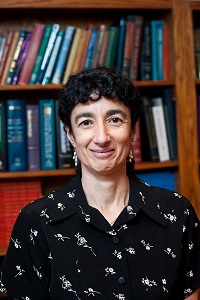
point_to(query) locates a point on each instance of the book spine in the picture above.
(121, 41)
(11, 73)
(9, 57)
(5, 52)
(103, 48)
(165, 53)
(48, 51)
(33, 145)
(16, 135)
(64, 147)
(40, 54)
(47, 134)
(111, 47)
(90, 50)
(72, 55)
(63, 55)
(79, 55)
(3, 139)
(27, 68)
(98, 45)
(157, 29)
(136, 47)
(22, 57)
(145, 57)
(53, 58)
(128, 45)
(136, 144)
(160, 128)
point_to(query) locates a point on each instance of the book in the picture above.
(64, 147)
(48, 51)
(40, 54)
(80, 51)
(145, 55)
(85, 49)
(160, 128)
(161, 179)
(33, 139)
(196, 34)
(3, 138)
(157, 49)
(27, 68)
(2, 45)
(49, 71)
(130, 25)
(170, 120)
(16, 134)
(47, 134)
(22, 57)
(103, 47)
(11, 72)
(148, 133)
(9, 57)
(90, 50)
(72, 55)
(136, 144)
(8, 41)
(136, 46)
(111, 49)
(165, 53)
(98, 46)
(121, 41)
(63, 54)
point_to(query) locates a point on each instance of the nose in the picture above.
(101, 135)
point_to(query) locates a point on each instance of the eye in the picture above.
(85, 123)
(115, 120)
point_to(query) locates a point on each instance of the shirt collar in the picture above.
(70, 200)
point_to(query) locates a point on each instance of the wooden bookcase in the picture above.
(178, 14)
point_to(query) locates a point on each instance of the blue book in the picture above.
(90, 50)
(63, 54)
(121, 40)
(157, 49)
(162, 179)
(145, 55)
(16, 134)
(48, 51)
(47, 134)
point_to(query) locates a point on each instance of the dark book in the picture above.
(64, 147)
(121, 40)
(170, 120)
(33, 139)
(148, 134)
(111, 48)
(130, 25)
(157, 49)
(47, 134)
(145, 69)
(22, 57)
(3, 138)
(16, 134)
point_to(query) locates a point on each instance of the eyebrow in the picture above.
(108, 114)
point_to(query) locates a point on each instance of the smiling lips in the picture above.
(102, 153)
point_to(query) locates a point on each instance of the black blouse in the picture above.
(61, 248)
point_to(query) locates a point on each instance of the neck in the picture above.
(108, 194)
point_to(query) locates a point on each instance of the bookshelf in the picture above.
(18, 14)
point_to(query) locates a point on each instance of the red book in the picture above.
(136, 144)
(32, 52)
(8, 41)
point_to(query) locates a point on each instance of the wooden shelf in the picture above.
(85, 4)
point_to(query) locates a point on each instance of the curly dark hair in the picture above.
(95, 83)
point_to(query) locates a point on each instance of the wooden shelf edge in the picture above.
(72, 172)
(195, 5)
(39, 87)
(85, 4)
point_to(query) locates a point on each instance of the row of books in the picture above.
(49, 54)
(34, 138)
(156, 138)
(14, 196)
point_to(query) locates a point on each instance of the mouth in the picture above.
(102, 152)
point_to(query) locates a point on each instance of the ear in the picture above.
(70, 136)
(133, 132)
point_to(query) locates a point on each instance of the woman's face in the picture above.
(101, 134)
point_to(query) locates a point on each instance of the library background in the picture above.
(155, 43)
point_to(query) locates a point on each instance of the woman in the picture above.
(106, 234)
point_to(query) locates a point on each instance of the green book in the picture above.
(111, 49)
(40, 55)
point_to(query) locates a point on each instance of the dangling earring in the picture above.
(75, 158)
(130, 156)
